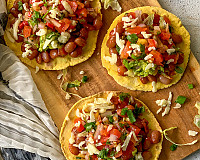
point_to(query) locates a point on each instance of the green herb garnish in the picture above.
(110, 118)
(121, 125)
(75, 83)
(20, 6)
(84, 79)
(118, 48)
(78, 157)
(123, 136)
(89, 126)
(133, 38)
(103, 154)
(139, 57)
(181, 99)
(173, 147)
(131, 116)
(190, 86)
(138, 110)
(112, 153)
(142, 48)
(122, 96)
(123, 111)
(46, 13)
(107, 142)
(179, 69)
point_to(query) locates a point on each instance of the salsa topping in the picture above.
(49, 28)
(112, 128)
(145, 46)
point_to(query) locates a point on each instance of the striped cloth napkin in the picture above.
(24, 120)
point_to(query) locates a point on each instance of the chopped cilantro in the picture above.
(107, 142)
(131, 116)
(121, 125)
(103, 154)
(122, 96)
(45, 3)
(190, 86)
(89, 126)
(139, 57)
(173, 147)
(20, 6)
(84, 79)
(132, 38)
(75, 83)
(123, 136)
(138, 110)
(170, 28)
(142, 48)
(46, 13)
(124, 110)
(78, 157)
(110, 118)
(118, 48)
(181, 99)
(179, 69)
(112, 153)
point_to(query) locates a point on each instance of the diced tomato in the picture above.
(41, 4)
(135, 129)
(114, 100)
(172, 56)
(165, 35)
(61, 7)
(21, 25)
(118, 154)
(50, 25)
(80, 5)
(65, 23)
(126, 155)
(27, 31)
(167, 20)
(116, 132)
(103, 140)
(158, 58)
(124, 54)
(152, 43)
(104, 132)
(82, 12)
(73, 5)
(77, 119)
(93, 157)
(136, 30)
(130, 107)
(131, 14)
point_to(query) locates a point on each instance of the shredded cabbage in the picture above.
(186, 144)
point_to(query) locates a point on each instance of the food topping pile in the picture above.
(112, 128)
(145, 46)
(52, 28)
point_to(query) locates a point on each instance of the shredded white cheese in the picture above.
(67, 96)
(170, 51)
(41, 32)
(72, 138)
(154, 88)
(169, 61)
(77, 124)
(15, 26)
(126, 142)
(112, 59)
(192, 133)
(91, 140)
(67, 7)
(148, 57)
(82, 72)
(151, 49)
(149, 66)
(25, 8)
(177, 105)
(131, 23)
(118, 148)
(109, 97)
(92, 149)
(27, 50)
(145, 35)
(60, 76)
(64, 37)
(120, 42)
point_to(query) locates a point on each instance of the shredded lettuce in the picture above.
(114, 4)
(186, 144)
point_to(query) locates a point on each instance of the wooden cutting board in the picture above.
(99, 80)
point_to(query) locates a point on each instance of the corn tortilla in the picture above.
(59, 62)
(65, 132)
(134, 83)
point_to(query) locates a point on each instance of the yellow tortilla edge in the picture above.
(67, 125)
(59, 62)
(134, 83)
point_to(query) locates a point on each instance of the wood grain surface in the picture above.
(99, 80)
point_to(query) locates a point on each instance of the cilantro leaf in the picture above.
(84, 79)
(20, 6)
(110, 118)
(122, 96)
(133, 38)
(138, 110)
(173, 147)
(118, 48)
(89, 126)
(75, 83)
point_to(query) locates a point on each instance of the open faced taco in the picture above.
(146, 48)
(110, 125)
(53, 34)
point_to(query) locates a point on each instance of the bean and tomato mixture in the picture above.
(117, 133)
(52, 28)
(146, 47)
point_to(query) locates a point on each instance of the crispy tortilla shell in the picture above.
(68, 124)
(134, 83)
(59, 62)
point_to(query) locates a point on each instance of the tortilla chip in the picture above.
(65, 132)
(59, 62)
(134, 83)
